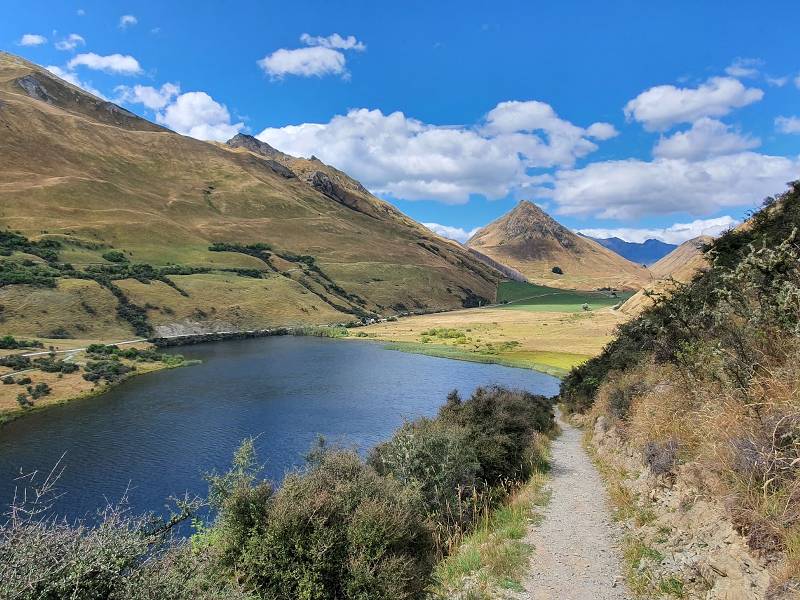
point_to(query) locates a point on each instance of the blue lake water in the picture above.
(156, 434)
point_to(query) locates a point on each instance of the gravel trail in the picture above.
(576, 547)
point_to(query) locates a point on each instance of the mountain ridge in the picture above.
(92, 177)
(643, 253)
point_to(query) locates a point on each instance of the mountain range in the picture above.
(644, 253)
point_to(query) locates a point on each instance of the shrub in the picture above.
(501, 424)
(557, 270)
(17, 362)
(23, 380)
(51, 365)
(336, 530)
(8, 380)
(115, 256)
(9, 342)
(110, 370)
(437, 459)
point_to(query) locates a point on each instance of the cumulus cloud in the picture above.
(198, 115)
(744, 67)
(72, 78)
(323, 56)
(624, 189)
(673, 234)
(458, 234)
(405, 158)
(304, 62)
(72, 41)
(122, 64)
(126, 21)
(333, 41)
(32, 39)
(788, 124)
(707, 137)
(663, 106)
(150, 97)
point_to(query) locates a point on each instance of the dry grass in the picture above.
(557, 340)
(746, 443)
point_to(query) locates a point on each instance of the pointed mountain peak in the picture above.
(252, 143)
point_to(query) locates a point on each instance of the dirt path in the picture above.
(576, 553)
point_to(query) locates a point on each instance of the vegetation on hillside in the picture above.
(341, 527)
(709, 376)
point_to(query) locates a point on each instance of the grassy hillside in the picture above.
(194, 236)
(706, 382)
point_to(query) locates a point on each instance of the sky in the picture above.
(660, 119)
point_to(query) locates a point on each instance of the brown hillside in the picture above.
(679, 266)
(529, 240)
(94, 176)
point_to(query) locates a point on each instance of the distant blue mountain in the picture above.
(645, 253)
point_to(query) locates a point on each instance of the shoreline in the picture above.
(338, 331)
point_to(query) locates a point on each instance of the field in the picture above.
(547, 337)
(539, 298)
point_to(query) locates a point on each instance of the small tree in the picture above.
(557, 270)
(586, 306)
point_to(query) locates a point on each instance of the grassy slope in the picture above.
(70, 171)
(529, 296)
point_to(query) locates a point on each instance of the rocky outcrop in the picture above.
(688, 533)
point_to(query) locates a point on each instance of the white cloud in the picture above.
(405, 158)
(73, 79)
(198, 115)
(32, 39)
(152, 98)
(458, 234)
(797, 81)
(662, 106)
(744, 67)
(122, 64)
(315, 61)
(707, 137)
(80, 12)
(333, 41)
(72, 41)
(602, 131)
(787, 124)
(323, 56)
(777, 81)
(126, 21)
(674, 234)
(625, 189)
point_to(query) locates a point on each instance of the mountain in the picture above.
(680, 265)
(683, 263)
(643, 253)
(124, 226)
(529, 240)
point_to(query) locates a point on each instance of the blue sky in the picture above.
(642, 119)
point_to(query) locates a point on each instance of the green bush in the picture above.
(110, 370)
(335, 530)
(115, 256)
(9, 342)
(16, 362)
(501, 425)
(436, 458)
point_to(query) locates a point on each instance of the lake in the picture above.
(156, 434)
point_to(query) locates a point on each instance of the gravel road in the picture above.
(576, 547)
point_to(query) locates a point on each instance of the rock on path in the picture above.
(576, 552)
